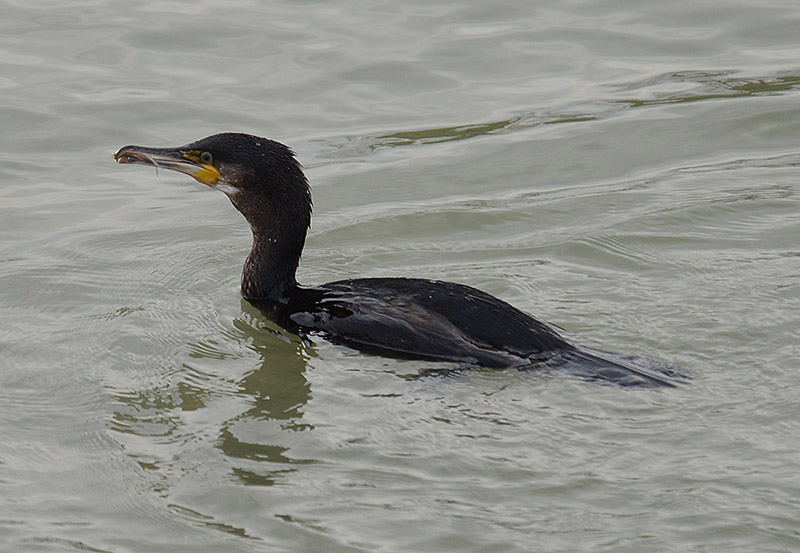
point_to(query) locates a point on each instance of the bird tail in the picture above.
(616, 368)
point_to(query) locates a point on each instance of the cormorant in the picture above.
(397, 317)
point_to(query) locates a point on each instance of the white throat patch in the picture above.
(227, 188)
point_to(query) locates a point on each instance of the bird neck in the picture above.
(279, 234)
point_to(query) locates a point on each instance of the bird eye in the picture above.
(206, 157)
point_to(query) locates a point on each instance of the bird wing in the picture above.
(439, 320)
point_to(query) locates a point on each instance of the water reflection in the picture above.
(279, 386)
(359, 145)
(249, 416)
(710, 86)
(278, 391)
(693, 86)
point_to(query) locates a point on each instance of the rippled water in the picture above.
(628, 172)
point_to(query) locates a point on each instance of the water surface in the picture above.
(626, 172)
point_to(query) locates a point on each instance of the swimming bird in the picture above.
(396, 317)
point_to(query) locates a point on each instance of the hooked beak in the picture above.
(183, 161)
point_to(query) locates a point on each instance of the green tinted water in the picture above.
(626, 172)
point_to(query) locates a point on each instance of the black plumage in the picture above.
(398, 317)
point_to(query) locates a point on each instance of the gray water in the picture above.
(628, 171)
